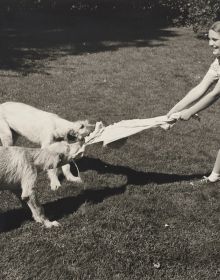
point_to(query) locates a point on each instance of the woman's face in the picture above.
(214, 42)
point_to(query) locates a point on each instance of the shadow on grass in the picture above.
(133, 177)
(57, 209)
(25, 43)
(12, 219)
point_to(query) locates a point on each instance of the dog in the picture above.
(42, 128)
(20, 165)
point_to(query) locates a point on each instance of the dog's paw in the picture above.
(74, 179)
(55, 185)
(49, 224)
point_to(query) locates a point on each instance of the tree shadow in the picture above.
(25, 44)
(134, 177)
(13, 219)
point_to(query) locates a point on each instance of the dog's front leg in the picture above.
(5, 134)
(54, 181)
(38, 212)
(52, 173)
(28, 195)
(69, 176)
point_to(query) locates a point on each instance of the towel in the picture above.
(126, 128)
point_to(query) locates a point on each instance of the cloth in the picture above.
(127, 128)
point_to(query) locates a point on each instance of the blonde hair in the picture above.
(215, 26)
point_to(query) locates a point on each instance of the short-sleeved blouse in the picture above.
(214, 69)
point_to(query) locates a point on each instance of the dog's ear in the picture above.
(71, 136)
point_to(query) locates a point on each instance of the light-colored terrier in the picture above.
(20, 165)
(42, 128)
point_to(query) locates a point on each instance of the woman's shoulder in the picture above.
(215, 63)
(215, 68)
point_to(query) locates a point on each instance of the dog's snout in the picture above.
(81, 141)
(91, 127)
(77, 152)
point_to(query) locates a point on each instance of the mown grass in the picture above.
(136, 207)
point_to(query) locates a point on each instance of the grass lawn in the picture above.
(136, 216)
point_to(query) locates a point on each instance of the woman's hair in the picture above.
(216, 26)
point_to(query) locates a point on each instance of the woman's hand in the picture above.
(185, 115)
(172, 111)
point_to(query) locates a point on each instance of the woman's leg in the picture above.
(215, 175)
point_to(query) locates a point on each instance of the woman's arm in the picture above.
(202, 104)
(194, 94)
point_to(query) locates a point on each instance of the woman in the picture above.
(195, 102)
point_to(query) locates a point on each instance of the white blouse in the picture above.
(214, 69)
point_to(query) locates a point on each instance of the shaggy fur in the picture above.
(20, 165)
(42, 128)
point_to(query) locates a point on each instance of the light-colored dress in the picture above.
(214, 69)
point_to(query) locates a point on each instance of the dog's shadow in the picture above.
(55, 210)
(133, 176)
(12, 219)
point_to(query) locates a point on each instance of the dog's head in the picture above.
(66, 152)
(58, 154)
(79, 131)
